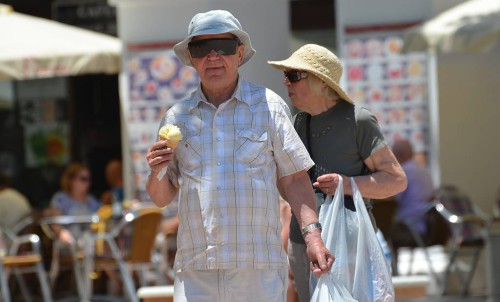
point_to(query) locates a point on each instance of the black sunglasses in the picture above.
(295, 75)
(222, 46)
(83, 178)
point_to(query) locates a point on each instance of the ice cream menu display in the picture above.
(156, 81)
(392, 85)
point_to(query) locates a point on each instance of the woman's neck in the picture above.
(322, 106)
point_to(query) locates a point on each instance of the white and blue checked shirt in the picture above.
(226, 167)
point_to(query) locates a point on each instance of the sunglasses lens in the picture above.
(83, 178)
(295, 76)
(202, 48)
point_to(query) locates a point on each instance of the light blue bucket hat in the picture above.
(211, 23)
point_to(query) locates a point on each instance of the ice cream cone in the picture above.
(172, 134)
(172, 143)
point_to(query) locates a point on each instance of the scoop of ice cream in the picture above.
(172, 134)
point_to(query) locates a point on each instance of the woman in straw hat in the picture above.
(342, 138)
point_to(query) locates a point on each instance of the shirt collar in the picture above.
(241, 93)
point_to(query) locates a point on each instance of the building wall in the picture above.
(364, 12)
(469, 110)
(267, 23)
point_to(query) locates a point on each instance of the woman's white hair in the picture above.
(320, 88)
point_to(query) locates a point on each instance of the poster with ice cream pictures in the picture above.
(155, 80)
(391, 84)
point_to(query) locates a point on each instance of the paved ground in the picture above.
(448, 299)
(418, 265)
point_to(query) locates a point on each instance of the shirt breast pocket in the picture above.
(252, 146)
(188, 153)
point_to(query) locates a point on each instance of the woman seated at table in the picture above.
(74, 198)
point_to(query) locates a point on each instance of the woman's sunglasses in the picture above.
(83, 178)
(295, 75)
(201, 48)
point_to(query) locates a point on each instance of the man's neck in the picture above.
(219, 95)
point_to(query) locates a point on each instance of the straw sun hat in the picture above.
(320, 62)
(211, 23)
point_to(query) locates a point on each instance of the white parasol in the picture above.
(470, 27)
(32, 47)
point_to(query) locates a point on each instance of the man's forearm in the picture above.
(162, 191)
(300, 196)
(302, 200)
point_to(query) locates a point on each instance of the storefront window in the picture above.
(35, 133)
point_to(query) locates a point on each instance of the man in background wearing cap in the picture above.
(343, 139)
(238, 140)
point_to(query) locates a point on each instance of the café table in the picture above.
(86, 244)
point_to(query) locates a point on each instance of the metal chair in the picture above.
(129, 244)
(437, 233)
(469, 229)
(76, 252)
(21, 263)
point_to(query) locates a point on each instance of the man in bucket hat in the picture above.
(238, 147)
(343, 139)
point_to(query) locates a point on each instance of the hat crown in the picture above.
(321, 60)
(212, 23)
(214, 19)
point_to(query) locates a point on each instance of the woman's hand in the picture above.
(328, 183)
(66, 237)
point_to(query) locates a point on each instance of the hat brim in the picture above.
(182, 52)
(294, 64)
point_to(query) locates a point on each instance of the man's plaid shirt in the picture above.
(226, 167)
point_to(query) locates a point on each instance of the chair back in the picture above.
(21, 261)
(438, 230)
(141, 227)
(30, 225)
(459, 206)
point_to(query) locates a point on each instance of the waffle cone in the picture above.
(172, 143)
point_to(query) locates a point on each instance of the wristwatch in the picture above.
(310, 227)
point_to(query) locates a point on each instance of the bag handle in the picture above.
(359, 204)
(339, 191)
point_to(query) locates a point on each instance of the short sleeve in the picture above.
(290, 154)
(369, 137)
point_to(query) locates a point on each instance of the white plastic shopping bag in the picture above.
(360, 272)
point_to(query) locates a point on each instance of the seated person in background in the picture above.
(74, 198)
(114, 178)
(416, 197)
(13, 205)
